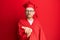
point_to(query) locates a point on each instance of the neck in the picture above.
(30, 18)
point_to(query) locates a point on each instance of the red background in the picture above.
(11, 11)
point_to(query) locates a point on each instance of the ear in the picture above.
(34, 12)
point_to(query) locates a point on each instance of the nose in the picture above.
(28, 12)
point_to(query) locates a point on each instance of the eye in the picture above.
(31, 10)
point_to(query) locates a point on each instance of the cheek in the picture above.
(33, 13)
(26, 13)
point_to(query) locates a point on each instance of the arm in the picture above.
(41, 32)
(21, 32)
(41, 35)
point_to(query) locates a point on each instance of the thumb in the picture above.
(24, 27)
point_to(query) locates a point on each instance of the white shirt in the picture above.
(30, 21)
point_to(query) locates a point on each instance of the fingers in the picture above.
(31, 30)
(28, 30)
(28, 34)
(23, 27)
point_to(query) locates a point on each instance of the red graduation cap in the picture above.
(29, 4)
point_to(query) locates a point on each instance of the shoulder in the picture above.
(37, 21)
(21, 20)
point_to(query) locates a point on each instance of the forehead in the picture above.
(29, 8)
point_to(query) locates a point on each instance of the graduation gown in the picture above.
(37, 32)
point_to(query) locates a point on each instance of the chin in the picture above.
(29, 16)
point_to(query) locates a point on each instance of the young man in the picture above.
(29, 28)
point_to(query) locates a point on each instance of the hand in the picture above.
(27, 31)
